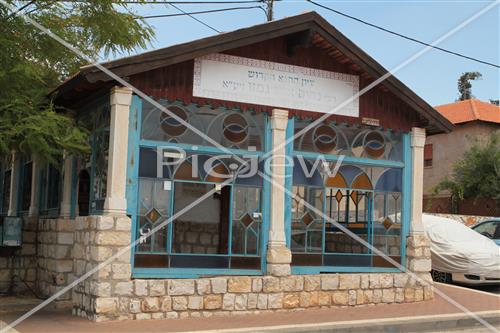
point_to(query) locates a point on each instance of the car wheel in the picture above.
(441, 276)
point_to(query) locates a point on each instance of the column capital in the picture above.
(121, 95)
(279, 119)
(417, 137)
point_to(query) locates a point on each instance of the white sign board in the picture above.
(238, 79)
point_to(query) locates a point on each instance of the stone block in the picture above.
(239, 284)
(106, 305)
(179, 303)
(291, 300)
(166, 303)
(181, 287)
(312, 282)
(420, 265)
(123, 224)
(157, 288)
(292, 283)
(308, 299)
(329, 282)
(340, 297)
(270, 284)
(409, 294)
(212, 302)
(257, 285)
(121, 271)
(275, 301)
(65, 238)
(374, 280)
(141, 287)
(102, 289)
(219, 285)
(150, 304)
(388, 295)
(349, 281)
(124, 288)
(104, 222)
(112, 238)
(228, 301)
(252, 301)
(278, 269)
(240, 302)
(400, 280)
(352, 297)
(324, 298)
(386, 280)
(262, 301)
(203, 286)
(195, 302)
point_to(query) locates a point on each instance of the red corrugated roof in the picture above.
(470, 110)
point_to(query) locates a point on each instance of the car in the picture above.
(460, 254)
(489, 228)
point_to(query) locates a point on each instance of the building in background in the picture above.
(473, 120)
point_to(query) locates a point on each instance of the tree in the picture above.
(477, 174)
(464, 85)
(495, 102)
(33, 63)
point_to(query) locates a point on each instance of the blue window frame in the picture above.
(26, 176)
(50, 190)
(5, 180)
(224, 234)
(368, 194)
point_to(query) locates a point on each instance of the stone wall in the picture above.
(221, 296)
(18, 263)
(111, 293)
(98, 238)
(55, 258)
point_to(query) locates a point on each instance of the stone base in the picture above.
(223, 296)
(278, 261)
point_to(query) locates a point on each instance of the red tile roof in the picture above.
(470, 110)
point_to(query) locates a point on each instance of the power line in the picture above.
(20, 9)
(194, 18)
(201, 12)
(402, 36)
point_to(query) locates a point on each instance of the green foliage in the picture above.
(32, 64)
(464, 85)
(495, 102)
(477, 174)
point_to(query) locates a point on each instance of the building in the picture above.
(473, 120)
(257, 242)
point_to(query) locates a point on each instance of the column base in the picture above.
(418, 253)
(115, 206)
(278, 260)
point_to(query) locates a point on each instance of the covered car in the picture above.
(459, 254)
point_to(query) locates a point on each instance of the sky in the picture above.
(433, 76)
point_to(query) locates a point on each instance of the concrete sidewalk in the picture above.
(435, 315)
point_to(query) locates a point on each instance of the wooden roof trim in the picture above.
(308, 21)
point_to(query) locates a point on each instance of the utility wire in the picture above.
(20, 9)
(402, 36)
(201, 12)
(194, 18)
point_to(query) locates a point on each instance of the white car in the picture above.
(460, 254)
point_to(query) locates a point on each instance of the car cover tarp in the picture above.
(455, 248)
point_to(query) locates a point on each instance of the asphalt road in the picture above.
(489, 289)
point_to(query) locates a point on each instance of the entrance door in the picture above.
(200, 235)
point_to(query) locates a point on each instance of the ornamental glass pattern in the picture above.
(335, 186)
